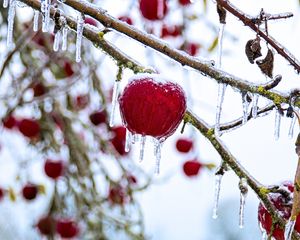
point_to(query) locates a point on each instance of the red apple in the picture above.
(54, 169)
(191, 168)
(153, 9)
(29, 128)
(184, 145)
(10, 122)
(98, 117)
(67, 228)
(46, 225)
(30, 191)
(118, 139)
(117, 195)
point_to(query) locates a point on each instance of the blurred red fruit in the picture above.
(132, 180)
(283, 204)
(67, 228)
(46, 226)
(90, 21)
(170, 31)
(117, 195)
(184, 145)
(98, 117)
(30, 191)
(191, 168)
(191, 48)
(126, 19)
(150, 106)
(153, 9)
(1, 193)
(81, 101)
(185, 2)
(68, 69)
(54, 169)
(10, 122)
(119, 138)
(29, 128)
(38, 89)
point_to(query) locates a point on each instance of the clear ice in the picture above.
(80, 23)
(114, 103)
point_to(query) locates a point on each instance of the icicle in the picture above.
(254, 105)
(245, 107)
(142, 148)
(220, 45)
(243, 186)
(291, 129)
(218, 179)
(134, 138)
(264, 235)
(289, 228)
(5, 3)
(45, 9)
(10, 20)
(128, 140)
(221, 93)
(80, 22)
(64, 38)
(277, 124)
(114, 103)
(157, 154)
(57, 38)
(36, 20)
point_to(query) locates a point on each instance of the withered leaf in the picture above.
(253, 49)
(266, 64)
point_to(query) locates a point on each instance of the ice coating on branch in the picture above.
(142, 148)
(292, 126)
(5, 3)
(45, 9)
(220, 45)
(128, 140)
(64, 38)
(114, 103)
(254, 105)
(245, 107)
(157, 154)
(277, 124)
(57, 38)
(243, 186)
(289, 228)
(36, 20)
(221, 93)
(80, 23)
(10, 22)
(218, 179)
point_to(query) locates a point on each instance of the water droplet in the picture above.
(218, 179)
(114, 103)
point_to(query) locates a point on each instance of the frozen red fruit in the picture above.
(10, 122)
(191, 48)
(185, 2)
(29, 128)
(153, 9)
(46, 225)
(170, 31)
(191, 168)
(68, 69)
(38, 89)
(54, 169)
(67, 228)
(98, 117)
(184, 145)
(126, 19)
(118, 139)
(151, 106)
(30, 191)
(90, 21)
(117, 195)
(1, 193)
(283, 203)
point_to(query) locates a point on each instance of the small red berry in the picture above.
(1, 193)
(10, 122)
(132, 180)
(46, 225)
(90, 21)
(191, 168)
(153, 9)
(126, 19)
(283, 204)
(185, 2)
(68, 69)
(150, 106)
(38, 89)
(30, 191)
(117, 195)
(170, 31)
(98, 117)
(191, 48)
(184, 145)
(118, 140)
(67, 228)
(29, 127)
(81, 101)
(54, 169)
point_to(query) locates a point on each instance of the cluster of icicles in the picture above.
(243, 186)
(60, 33)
